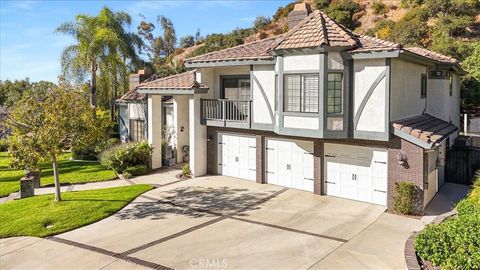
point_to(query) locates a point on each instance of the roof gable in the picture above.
(314, 31)
(250, 51)
(185, 80)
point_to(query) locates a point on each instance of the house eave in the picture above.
(229, 63)
(371, 54)
(421, 143)
(172, 92)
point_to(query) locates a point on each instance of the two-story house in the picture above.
(319, 108)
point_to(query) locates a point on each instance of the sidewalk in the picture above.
(157, 178)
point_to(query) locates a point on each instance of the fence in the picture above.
(462, 163)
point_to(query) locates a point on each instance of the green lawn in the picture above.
(70, 172)
(41, 216)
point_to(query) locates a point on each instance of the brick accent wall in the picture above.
(212, 146)
(318, 167)
(413, 172)
(260, 157)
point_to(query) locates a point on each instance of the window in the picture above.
(236, 88)
(423, 93)
(301, 93)
(335, 93)
(450, 84)
(137, 130)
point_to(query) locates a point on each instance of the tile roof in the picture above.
(316, 30)
(132, 95)
(425, 127)
(432, 55)
(185, 81)
(250, 51)
(367, 43)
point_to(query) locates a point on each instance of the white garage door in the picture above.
(357, 173)
(236, 156)
(290, 163)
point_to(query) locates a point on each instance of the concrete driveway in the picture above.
(219, 222)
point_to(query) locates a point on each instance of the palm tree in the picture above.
(102, 46)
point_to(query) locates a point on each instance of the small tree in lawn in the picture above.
(45, 125)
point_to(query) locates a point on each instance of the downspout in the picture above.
(426, 91)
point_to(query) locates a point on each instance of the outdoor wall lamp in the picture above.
(402, 159)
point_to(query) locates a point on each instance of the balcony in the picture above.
(226, 113)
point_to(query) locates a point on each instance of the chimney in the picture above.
(137, 78)
(300, 11)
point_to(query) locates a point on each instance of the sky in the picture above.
(29, 46)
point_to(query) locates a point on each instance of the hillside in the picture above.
(425, 23)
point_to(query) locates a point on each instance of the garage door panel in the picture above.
(358, 173)
(332, 178)
(235, 156)
(289, 163)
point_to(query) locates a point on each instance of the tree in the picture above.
(101, 42)
(198, 37)
(161, 48)
(169, 36)
(187, 41)
(45, 125)
(260, 23)
(11, 91)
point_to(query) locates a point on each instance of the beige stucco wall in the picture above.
(180, 111)
(372, 118)
(263, 94)
(405, 89)
(300, 122)
(155, 128)
(301, 62)
(137, 110)
(197, 131)
(335, 61)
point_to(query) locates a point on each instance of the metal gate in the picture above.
(462, 163)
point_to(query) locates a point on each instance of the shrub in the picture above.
(91, 152)
(342, 11)
(122, 156)
(322, 4)
(186, 170)
(3, 145)
(379, 7)
(137, 170)
(453, 244)
(403, 198)
(126, 175)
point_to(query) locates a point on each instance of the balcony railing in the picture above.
(226, 113)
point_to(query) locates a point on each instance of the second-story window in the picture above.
(301, 93)
(236, 88)
(423, 92)
(334, 93)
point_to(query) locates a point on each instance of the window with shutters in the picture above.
(301, 93)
